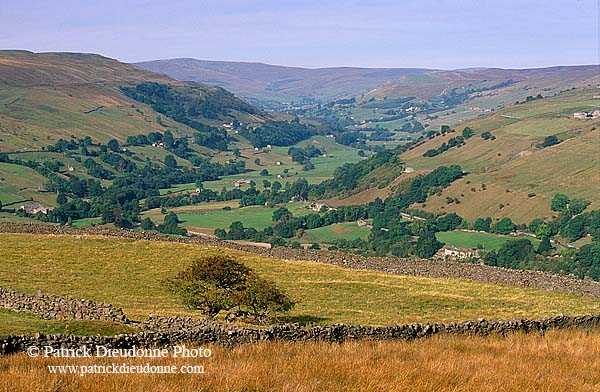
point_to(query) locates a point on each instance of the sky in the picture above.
(441, 34)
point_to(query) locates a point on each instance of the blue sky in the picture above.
(442, 34)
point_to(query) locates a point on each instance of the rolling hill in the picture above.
(261, 83)
(48, 96)
(264, 82)
(512, 174)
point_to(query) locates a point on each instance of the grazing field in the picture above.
(465, 239)
(557, 361)
(327, 234)
(128, 274)
(19, 183)
(87, 222)
(520, 177)
(23, 323)
(206, 217)
(290, 171)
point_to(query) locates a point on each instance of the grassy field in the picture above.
(464, 239)
(128, 274)
(23, 323)
(87, 222)
(557, 361)
(327, 234)
(19, 183)
(520, 178)
(206, 217)
(337, 155)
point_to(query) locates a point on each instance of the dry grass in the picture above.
(513, 163)
(128, 274)
(559, 361)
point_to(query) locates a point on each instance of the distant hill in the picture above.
(48, 96)
(509, 85)
(266, 82)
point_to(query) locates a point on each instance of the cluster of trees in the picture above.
(187, 104)
(549, 141)
(389, 233)
(119, 202)
(412, 127)
(387, 103)
(354, 139)
(487, 136)
(346, 177)
(572, 223)
(303, 155)
(502, 226)
(455, 141)
(381, 135)
(521, 254)
(170, 225)
(278, 133)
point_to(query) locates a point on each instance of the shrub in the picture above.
(220, 283)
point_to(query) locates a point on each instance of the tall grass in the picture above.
(559, 361)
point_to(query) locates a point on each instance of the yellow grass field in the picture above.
(558, 361)
(128, 274)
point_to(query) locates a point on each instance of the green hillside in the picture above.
(510, 172)
(520, 176)
(48, 96)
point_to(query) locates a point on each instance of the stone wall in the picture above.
(394, 265)
(49, 306)
(197, 333)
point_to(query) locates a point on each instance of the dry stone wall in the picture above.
(198, 333)
(49, 306)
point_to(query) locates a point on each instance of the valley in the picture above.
(304, 196)
(92, 144)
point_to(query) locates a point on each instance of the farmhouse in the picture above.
(241, 181)
(406, 216)
(34, 209)
(363, 223)
(319, 206)
(586, 115)
(459, 253)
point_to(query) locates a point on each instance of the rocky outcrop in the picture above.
(49, 306)
(394, 265)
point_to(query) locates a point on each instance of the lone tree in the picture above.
(216, 284)
(113, 145)
(170, 161)
(171, 225)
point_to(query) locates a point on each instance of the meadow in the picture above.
(327, 234)
(206, 217)
(487, 241)
(18, 183)
(288, 170)
(557, 361)
(129, 274)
